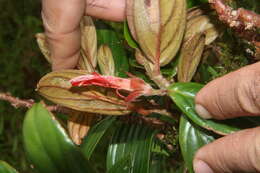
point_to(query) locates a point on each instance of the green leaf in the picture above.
(159, 164)
(134, 140)
(131, 42)
(191, 138)
(48, 146)
(95, 134)
(122, 166)
(162, 117)
(6, 168)
(183, 95)
(171, 70)
(106, 35)
(192, 3)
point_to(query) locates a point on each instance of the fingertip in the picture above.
(200, 166)
(200, 107)
(202, 111)
(237, 152)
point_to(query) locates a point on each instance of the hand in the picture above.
(233, 95)
(61, 19)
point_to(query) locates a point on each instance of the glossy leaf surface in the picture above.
(122, 166)
(183, 95)
(133, 140)
(191, 138)
(95, 134)
(48, 146)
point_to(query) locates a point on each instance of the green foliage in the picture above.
(113, 144)
(107, 35)
(128, 37)
(191, 139)
(6, 168)
(95, 134)
(183, 95)
(134, 141)
(21, 65)
(48, 146)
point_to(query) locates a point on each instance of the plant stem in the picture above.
(28, 103)
(246, 23)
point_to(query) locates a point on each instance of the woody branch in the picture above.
(27, 103)
(244, 22)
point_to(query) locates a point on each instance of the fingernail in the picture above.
(202, 111)
(201, 167)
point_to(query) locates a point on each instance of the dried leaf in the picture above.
(198, 11)
(200, 31)
(202, 24)
(43, 45)
(56, 87)
(88, 59)
(79, 124)
(106, 61)
(193, 12)
(139, 56)
(190, 56)
(158, 27)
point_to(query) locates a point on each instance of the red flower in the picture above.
(135, 86)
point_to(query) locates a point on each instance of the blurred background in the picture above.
(21, 66)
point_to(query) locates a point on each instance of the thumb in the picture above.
(61, 21)
(230, 154)
(233, 95)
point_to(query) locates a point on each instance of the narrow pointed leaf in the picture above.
(79, 124)
(43, 45)
(88, 59)
(191, 138)
(201, 24)
(109, 37)
(183, 95)
(133, 140)
(95, 134)
(48, 146)
(190, 56)
(105, 61)
(131, 42)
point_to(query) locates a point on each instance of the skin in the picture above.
(233, 95)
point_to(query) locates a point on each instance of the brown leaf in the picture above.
(56, 87)
(105, 61)
(43, 45)
(202, 24)
(88, 60)
(79, 124)
(158, 26)
(190, 57)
